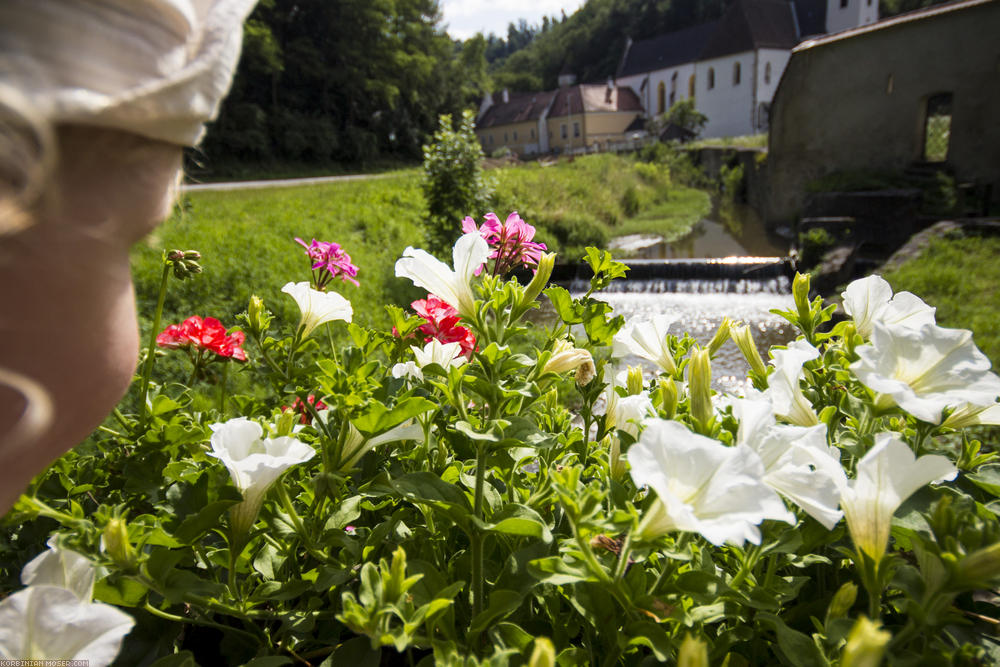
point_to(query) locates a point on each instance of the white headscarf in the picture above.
(157, 68)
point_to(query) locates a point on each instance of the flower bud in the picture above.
(980, 567)
(544, 654)
(257, 319)
(566, 357)
(285, 423)
(700, 386)
(585, 373)
(800, 290)
(865, 645)
(744, 340)
(720, 337)
(842, 601)
(668, 397)
(616, 466)
(543, 272)
(692, 653)
(634, 382)
(184, 262)
(117, 545)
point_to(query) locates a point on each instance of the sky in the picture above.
(465, 18)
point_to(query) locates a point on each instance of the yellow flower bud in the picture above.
(842, 601)
(720, 337)
(541, 278)
(116, 543)
(700, 386)
(668, 397)
(544, 654)
(692, 653)
(865, 645)
(743, 338)
(634, 382)
(800, 290)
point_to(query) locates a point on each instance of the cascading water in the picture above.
(716, 278)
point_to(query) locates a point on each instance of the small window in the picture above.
(532, 133)
(937, 127)
(661, 96)
(890, 85)
(505, 137)
(564, 135)
(576, 129)
(515, 135)
(736, 74)
(491, 139)
(843, 4)
(711, 78)
(691, 86)
(767, 72)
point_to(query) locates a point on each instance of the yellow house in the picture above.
(571, 119)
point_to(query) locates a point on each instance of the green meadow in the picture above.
(246, 237)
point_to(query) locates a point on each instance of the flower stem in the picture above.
(147, 369)
(477, 537)
(222, 389)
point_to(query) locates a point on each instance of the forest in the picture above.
(351, 83)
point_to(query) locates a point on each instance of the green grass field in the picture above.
(960, 277)
(246, 237)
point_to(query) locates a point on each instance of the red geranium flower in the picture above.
(204, 334)
(443, 324)
(299, 406)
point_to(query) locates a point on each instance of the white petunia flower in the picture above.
(444, 355)
(702, 486)
(783, 388)
(43, 622)
(317, 307)
(628, 413)
(648, 340)
(254, 462)
(870, 300)
(63, 568)
(451, 286)
(887, 475)
(926, 370)
(798, 462)
(566, 357)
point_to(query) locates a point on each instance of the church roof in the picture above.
(753, 24)
(673, 48)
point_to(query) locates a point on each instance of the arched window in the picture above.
(661, 98)
(711, 78)
(736, 74)
(691, 87)
(673, 88)
(767, 73)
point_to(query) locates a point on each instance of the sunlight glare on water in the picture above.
(700, 316)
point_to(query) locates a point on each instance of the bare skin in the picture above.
(67, 307)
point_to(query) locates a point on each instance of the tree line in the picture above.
(355, 81)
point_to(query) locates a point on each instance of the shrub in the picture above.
(453, 178)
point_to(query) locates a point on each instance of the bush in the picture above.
(453, 179)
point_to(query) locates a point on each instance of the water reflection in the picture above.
(730, 230)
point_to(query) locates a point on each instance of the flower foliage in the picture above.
(481, 490)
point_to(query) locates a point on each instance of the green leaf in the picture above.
(520, 520)
(193, 527)
(379, 419)
(798, 648)
(356, 652)
(568, 310)
(163, 405)
(647, 633)
(554, 570)
(120, 591)
(348, 510)
(269, 661)
(182, 659)
(502, 604)
(987, 478)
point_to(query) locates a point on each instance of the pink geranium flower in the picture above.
(512, 241)
(204, 334)
(443, 324)
(329, 261)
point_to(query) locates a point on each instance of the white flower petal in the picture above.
(927, 369)
(703, 485)
(318, 307)
(647, 340)
(783, 390)
(886, 476)
(870, 300)
(51, 623)
(63, 568)
(451, 286)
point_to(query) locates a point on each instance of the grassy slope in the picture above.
(247, 237)
(960, 277)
